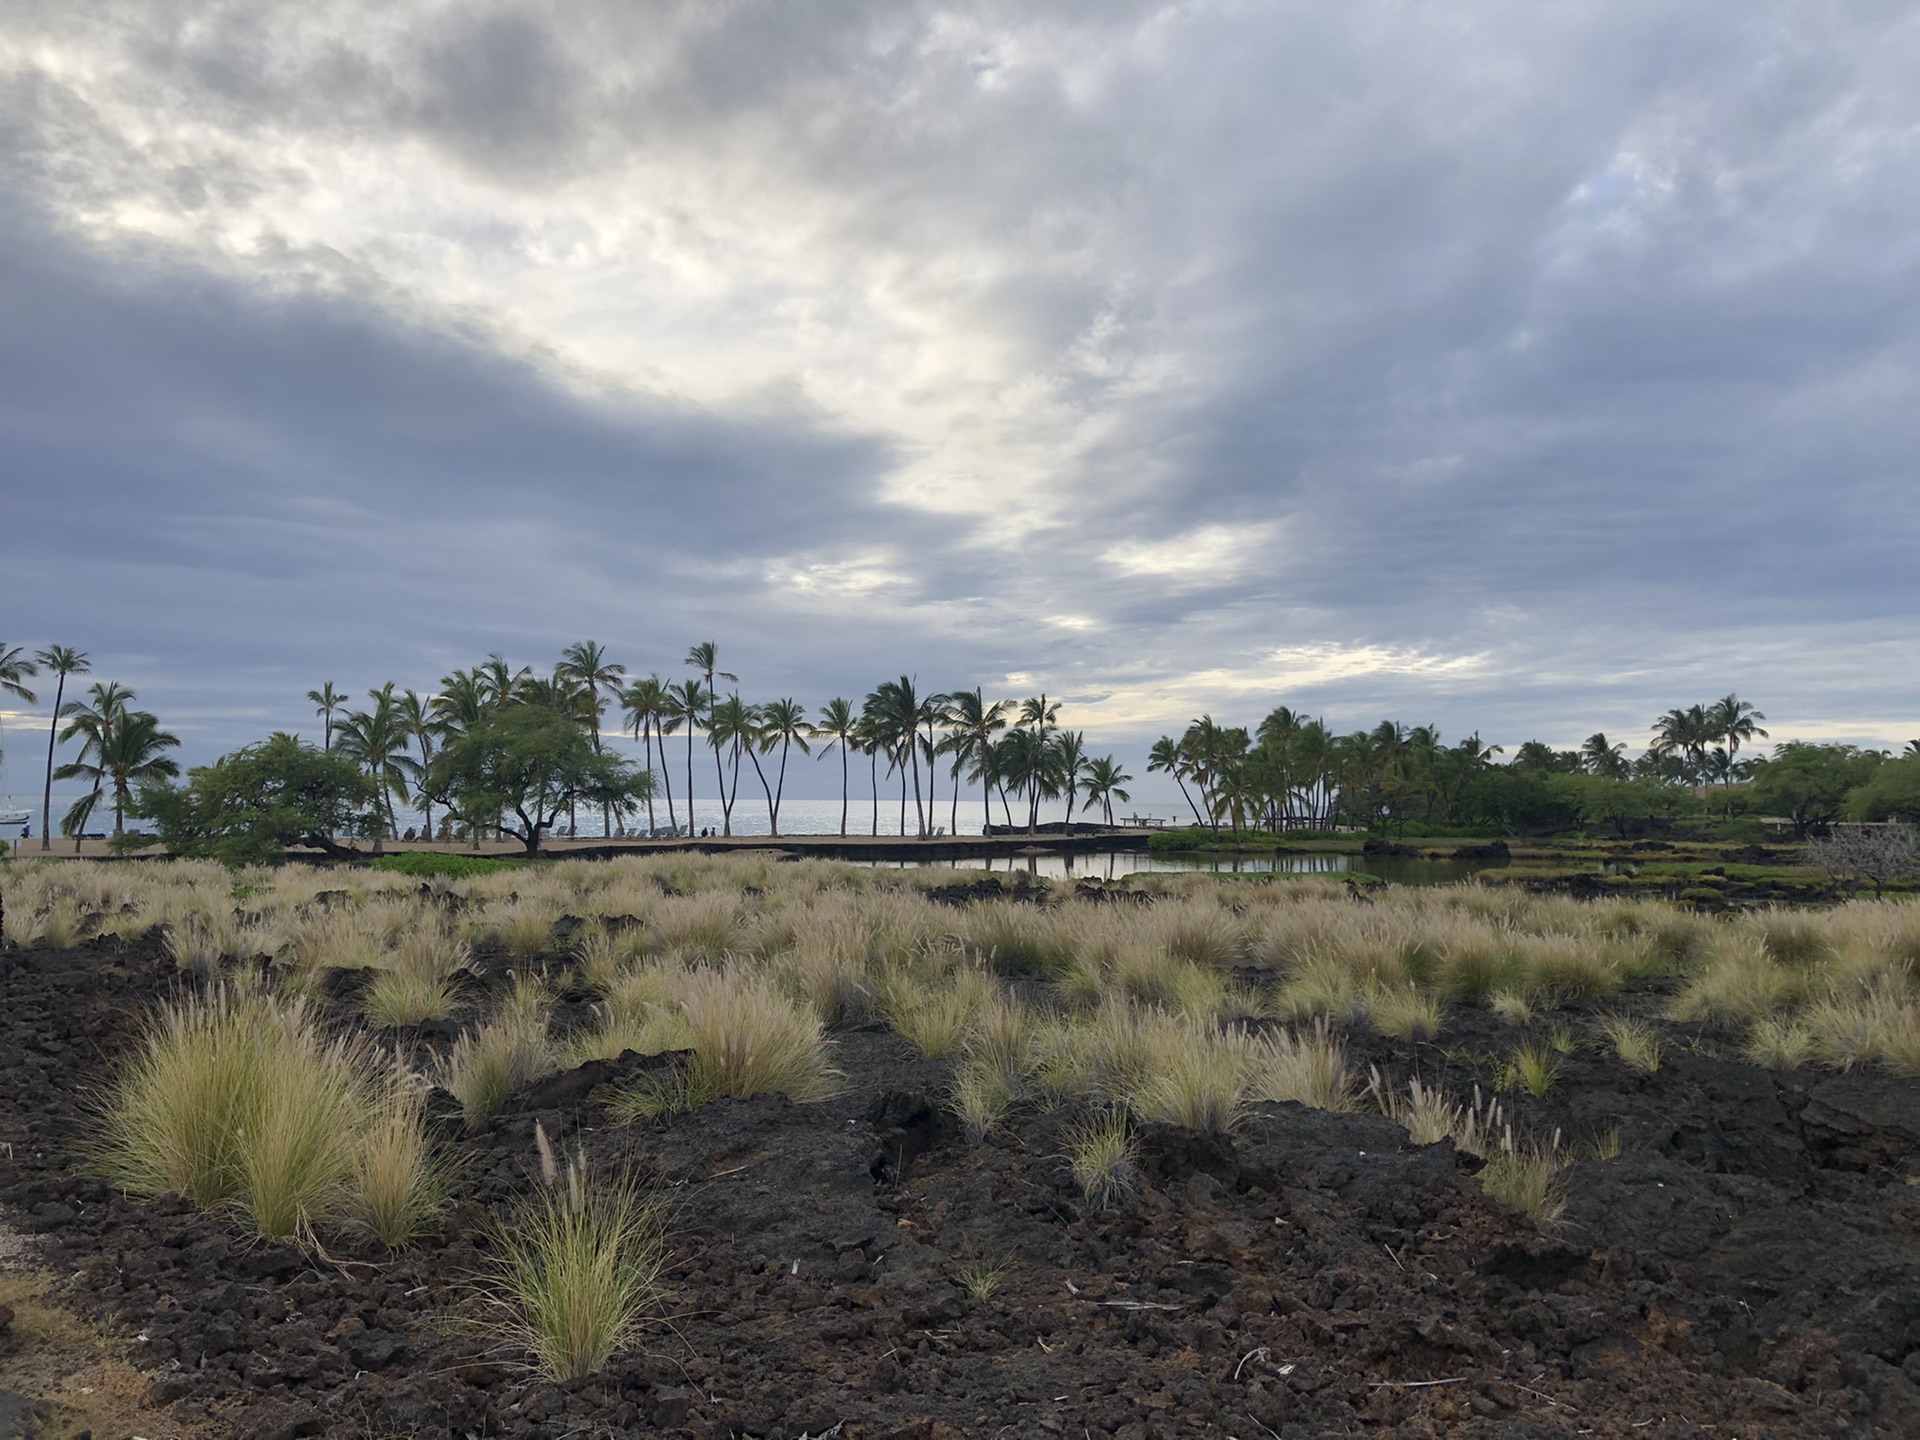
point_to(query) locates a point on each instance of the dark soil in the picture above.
(1749, 1266)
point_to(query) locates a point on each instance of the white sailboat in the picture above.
(15, 817)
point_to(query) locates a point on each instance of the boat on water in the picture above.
(15, 817)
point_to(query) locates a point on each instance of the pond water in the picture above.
(1112, 864)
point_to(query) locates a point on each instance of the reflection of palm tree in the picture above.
(61, 661)
(326, 700)
(839, 726)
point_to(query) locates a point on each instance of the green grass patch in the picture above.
(431, 864)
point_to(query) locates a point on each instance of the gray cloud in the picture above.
(1553, 364)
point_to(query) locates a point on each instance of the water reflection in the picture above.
(1112, 864)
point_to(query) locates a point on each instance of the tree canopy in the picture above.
(249, 806)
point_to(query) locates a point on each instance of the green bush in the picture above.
(430, 865)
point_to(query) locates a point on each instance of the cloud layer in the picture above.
(1528, 368)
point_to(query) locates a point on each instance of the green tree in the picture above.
(327, 700)
(686, 703)
(1809, 783)
(60, 661)
(1891, 792)
(839, 726)
(524, 768)
(1604, 757)
(377, 739)
(1070, 764)
(1732, 721)
(418, 724)
(1168, 758)
(705, 658)
(121, 746)
(247, 807)
(15, 670)
(732, 727)
(588, 664)
(782, 723)
(973, 723)
(645, 705)
(1105, 780)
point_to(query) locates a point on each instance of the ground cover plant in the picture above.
(576, 1122)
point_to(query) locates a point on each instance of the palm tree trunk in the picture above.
(46, 797)
(953, 810)
(773, 805)
(919, 815)
(873, 768)
(689, 776)
(843, 787)
(646, 724)
(780, 788)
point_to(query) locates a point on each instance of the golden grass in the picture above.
(578, 1270)
(1308, 1067)
(1101, 1153)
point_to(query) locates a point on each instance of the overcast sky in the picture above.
(1522, 367)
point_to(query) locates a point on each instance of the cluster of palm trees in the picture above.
(120, 746)
(1292, 772)
(1016, 749)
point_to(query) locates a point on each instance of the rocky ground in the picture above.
(1748, 1266)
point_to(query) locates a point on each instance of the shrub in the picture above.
(1527, 1175)
(240, 1098)
(1309, 1068)
(1101, 1152)
(748, 1038)
(1634, 1041)
(578, 1268)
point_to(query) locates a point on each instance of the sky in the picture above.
(1518, 368)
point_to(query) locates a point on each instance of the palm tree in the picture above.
(732, 725)
(868, 739)
(1685, 735)
(839, 726)
(376, 738)
(326, 700)
(894, 706)
(62, 661)
(1604, 757)
(122, 748)
(645, 701)
(14, 670)
(499, 686)
(417, 723)
(685, 704)
(587, 663)
(1104, 781)
(974, 725)
(1732, 722)
(1025, 759)
(1070, 755)
(1167, 757)
(705, 657)
(783, 723)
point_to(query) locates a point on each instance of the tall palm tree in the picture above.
(417, 723)
(732, 726)
(500, 686)
(1733, 722)
(686, 704)
(898, 713)
(1031, 765)
(326, 700)
(122, 747)
(1685, 736)
(15, 669)
(1166, 757)
(869, 741)
(705, 657)
(377, 739)
(783, 723)
(1070, 756)
(61, 661)
(839, 726)
(587, 663)
(973, 724)
(1603, 756)
(644, 701)
(1104, 781)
